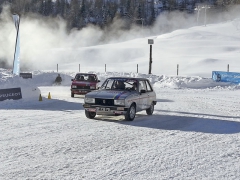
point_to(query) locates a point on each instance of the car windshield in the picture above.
(86, 77)
(120, 84)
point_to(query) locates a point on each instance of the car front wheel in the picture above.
(72, 94)
(150, 110)
(90, 115)
(131, 113)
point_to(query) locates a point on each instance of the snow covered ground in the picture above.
(194, 132)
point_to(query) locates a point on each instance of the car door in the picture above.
(144, 95)
(150, 94)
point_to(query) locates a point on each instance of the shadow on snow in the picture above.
(182, 123)
(214, 124)
(46, 105)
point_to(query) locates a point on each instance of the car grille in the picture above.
(83, 87)
(104, 102)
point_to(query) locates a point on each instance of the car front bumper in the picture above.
(106, 110)
(81, 91)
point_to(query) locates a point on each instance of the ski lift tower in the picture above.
(199, 8)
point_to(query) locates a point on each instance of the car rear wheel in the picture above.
(90, 115)
(150, 110)
(131, 113)
(72, 94)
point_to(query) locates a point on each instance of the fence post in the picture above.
(57, 67)
(79, 67)
(137, 68)
(105, 67)
(228, 68)
(177, 69)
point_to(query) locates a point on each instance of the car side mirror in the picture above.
(142, 91)
(98, 81)
(72, 79)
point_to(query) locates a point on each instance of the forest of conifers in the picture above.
(79, 13)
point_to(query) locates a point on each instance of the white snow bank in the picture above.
(28, 87)
(191, 82)
(41, 78)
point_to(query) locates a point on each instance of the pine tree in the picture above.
(74, 14)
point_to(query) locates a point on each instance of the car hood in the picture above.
(109, 94)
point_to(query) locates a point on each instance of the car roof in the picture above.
(128, 78)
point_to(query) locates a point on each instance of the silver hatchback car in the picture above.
(121, 96)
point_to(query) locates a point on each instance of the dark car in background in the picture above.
(84, 83)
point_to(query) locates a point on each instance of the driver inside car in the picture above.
(119, 85)
(91, 78)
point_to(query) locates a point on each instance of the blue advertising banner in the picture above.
(13, 93)
(221, 76)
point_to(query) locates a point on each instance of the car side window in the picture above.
(142, 85)
(149, 88)
(95, 78)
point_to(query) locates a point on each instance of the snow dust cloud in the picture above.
(45, 42)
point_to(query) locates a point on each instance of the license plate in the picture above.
(91, 109)
(82, 91)
(104, 109)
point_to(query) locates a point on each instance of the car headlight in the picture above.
(92, 87)
(89, 100)
(73, 86)
(119, 102)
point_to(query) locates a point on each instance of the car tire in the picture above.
(72, 94)
(130, 115)
(150, 110)
(90, 115)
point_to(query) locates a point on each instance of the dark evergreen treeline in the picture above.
(79, 13)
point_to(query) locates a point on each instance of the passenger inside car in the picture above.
(91, 78)
(134, 86)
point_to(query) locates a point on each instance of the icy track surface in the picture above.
(193, 134)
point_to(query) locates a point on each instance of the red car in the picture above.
(84, 83)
